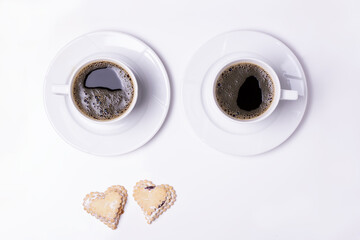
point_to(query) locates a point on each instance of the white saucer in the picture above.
(129, 133)
(227, 135)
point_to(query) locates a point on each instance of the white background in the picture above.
(307, 188)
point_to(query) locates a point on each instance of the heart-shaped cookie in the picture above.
(107, 206)
(153, 200)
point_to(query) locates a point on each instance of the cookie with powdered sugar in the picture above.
(153, 199)
(107, 206)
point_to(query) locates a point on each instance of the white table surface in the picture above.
(307, 188)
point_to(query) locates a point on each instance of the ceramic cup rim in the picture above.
(274, 78)
(116, 61)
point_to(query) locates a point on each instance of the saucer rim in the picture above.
(165, 106)
(199, 85)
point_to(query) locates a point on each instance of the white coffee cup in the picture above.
(67, 89)
(279, 94)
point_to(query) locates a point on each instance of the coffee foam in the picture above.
(229, 82)
(100, 103)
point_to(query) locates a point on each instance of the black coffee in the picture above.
(103, 90)
(244, 91)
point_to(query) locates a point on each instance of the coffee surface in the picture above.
(244, 90)
(103, 90)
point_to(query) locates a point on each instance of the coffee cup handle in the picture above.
(288, 95)
(60, 89)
